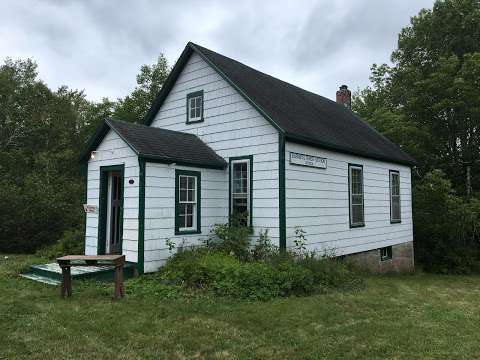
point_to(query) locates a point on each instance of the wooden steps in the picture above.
(52, 273)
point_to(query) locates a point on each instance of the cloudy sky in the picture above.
(99, 45)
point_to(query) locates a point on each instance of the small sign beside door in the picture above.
(90, 209)
(308, 160)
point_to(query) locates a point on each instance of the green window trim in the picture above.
(190, 96)
(250, 174)
(102, 217)
(386, 253)
(392, 220)
(351, 223)
(198, 176)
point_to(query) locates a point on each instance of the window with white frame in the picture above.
(355, 180)
(195, 107)
(187, 202)
(240, 178)
(395, 212)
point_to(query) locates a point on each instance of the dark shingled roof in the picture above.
(302, 116)
(162, 145)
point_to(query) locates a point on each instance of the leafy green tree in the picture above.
(433, 85)
(41, 135)
(39, 144)
(150, 80)
(428, 101)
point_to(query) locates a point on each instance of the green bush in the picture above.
(232, 238)
(282, 274)
(263, 248)
(71, 242)
(330, 273)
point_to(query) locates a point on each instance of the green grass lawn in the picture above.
(395, 317)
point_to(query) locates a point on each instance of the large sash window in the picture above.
(395, 213)
(241, 187)
(355, 180)
(187, 202)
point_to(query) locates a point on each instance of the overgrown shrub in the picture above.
(263, 248)
(71, 242)
(261, 273)
(225, 275)
(446, 227)
(232, 238)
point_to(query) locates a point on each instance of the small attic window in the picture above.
(195, 107)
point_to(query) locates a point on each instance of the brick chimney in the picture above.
(344, 96)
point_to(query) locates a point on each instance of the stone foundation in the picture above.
(402, 260)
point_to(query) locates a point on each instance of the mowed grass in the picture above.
(395, 317)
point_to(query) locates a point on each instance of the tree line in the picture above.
(42, 133)
(427, 101)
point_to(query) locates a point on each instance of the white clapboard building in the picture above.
(222, 138)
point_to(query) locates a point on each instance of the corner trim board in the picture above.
(281, 193)
(141, 216)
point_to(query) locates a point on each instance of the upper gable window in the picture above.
(195, 107)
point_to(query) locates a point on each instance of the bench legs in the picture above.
(66, 288)
(119, 288)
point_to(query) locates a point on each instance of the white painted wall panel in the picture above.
(231, 127)
(160, 209)
(122, 155)
(317, 201)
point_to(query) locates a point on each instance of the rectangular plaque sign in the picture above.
(308, 160)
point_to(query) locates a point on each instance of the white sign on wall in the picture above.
(308, 160)
(90, 209)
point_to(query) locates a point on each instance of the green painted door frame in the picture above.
(102, 217)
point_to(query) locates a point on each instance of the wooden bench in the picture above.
(66, 262)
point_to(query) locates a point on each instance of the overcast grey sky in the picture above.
(99, 45)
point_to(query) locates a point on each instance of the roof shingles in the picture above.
(166, 145)
(303, 115)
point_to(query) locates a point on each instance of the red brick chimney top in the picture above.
(344, 96)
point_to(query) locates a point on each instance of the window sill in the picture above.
(356, 225)
(395, 221)
(195, 121)
(187, 232)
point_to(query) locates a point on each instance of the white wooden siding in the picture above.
(160, 210)
(317, 201)
(122, 155)
(231, 127)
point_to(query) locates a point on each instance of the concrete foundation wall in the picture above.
(402, 260)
